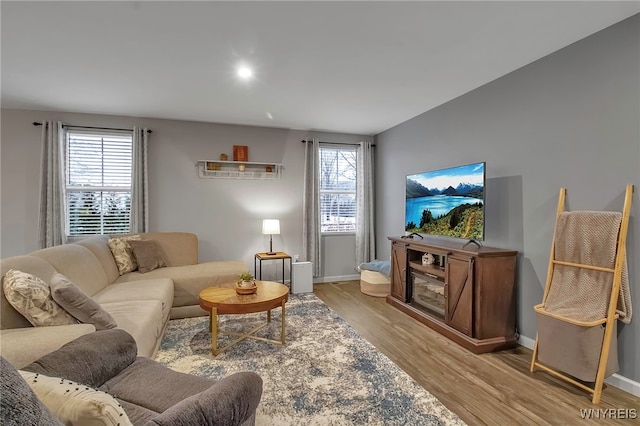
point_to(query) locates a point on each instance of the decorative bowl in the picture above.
(246, 290)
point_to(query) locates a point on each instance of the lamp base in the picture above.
(271, 252)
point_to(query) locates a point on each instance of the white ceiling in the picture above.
(350, 67)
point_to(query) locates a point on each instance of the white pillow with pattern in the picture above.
(31, 296)
(123, 254)
(74, 403)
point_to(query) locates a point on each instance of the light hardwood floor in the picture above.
(491, 389)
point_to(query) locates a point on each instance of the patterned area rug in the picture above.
(326, 374)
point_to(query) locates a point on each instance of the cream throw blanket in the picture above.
(589, 238)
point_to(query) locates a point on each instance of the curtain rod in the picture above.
(35, 123)
(335, 143)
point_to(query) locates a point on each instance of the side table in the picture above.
(279, 255)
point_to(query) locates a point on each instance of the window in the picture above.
(337, 189)
(98, 182)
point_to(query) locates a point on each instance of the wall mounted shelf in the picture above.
(218, 169)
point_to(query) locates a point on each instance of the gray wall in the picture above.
(226, 214)
(568, 120)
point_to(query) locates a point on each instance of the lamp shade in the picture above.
(271, 226)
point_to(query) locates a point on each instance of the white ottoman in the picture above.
(374, 283)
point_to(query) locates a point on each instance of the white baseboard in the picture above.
(526, 342)
(623, 383)
(614, 380)
(319, 280)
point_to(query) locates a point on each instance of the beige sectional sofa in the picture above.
(140, 303)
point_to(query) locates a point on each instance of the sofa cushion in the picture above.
(142, 319)
(22, 346)
(19, 405)
(178, 248)
(122, 253)
(77, 263)
(91, 359)
(160, 289)
(169, 386)
(232, 401)
(31, 296)
(189, 280)
(147, 255)
(99, 246)
(137, 414)
(75, 403)
(78, 304)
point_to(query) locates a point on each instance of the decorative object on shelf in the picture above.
(224, 157)
(428, 259)
(240, 153)
(241, 167)
(268, 169)
(213, 166)
(270, 227)
(246, 284)
(431, 259)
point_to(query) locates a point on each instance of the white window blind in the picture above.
(98, 182)
(337, 189)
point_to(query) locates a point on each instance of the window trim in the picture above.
(336, 147)
(69, 189)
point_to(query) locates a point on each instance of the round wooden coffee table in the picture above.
(220, 300)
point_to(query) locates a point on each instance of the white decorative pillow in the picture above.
(74, 403)
(31, 296)
(123, 254)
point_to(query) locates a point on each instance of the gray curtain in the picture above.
(139, 220)
(365, 223)
(311, 206)
(51, 226)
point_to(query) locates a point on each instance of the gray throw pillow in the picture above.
(147, 255)
(77, 303)
(19, 405)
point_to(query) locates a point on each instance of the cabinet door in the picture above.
(399, 271)
(459, 294)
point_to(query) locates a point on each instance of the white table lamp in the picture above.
(270, 227)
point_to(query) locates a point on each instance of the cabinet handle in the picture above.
(446, 291)
(404, 275)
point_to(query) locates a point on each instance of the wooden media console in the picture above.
(466, 293)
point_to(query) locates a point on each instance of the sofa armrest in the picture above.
(91, 359)
(22, 346)
(231, 401)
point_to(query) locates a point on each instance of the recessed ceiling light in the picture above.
(245, 72)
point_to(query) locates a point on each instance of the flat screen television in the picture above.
(447, 202)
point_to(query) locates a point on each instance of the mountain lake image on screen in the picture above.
(447, 202)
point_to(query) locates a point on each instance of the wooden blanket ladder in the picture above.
(608, 323)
